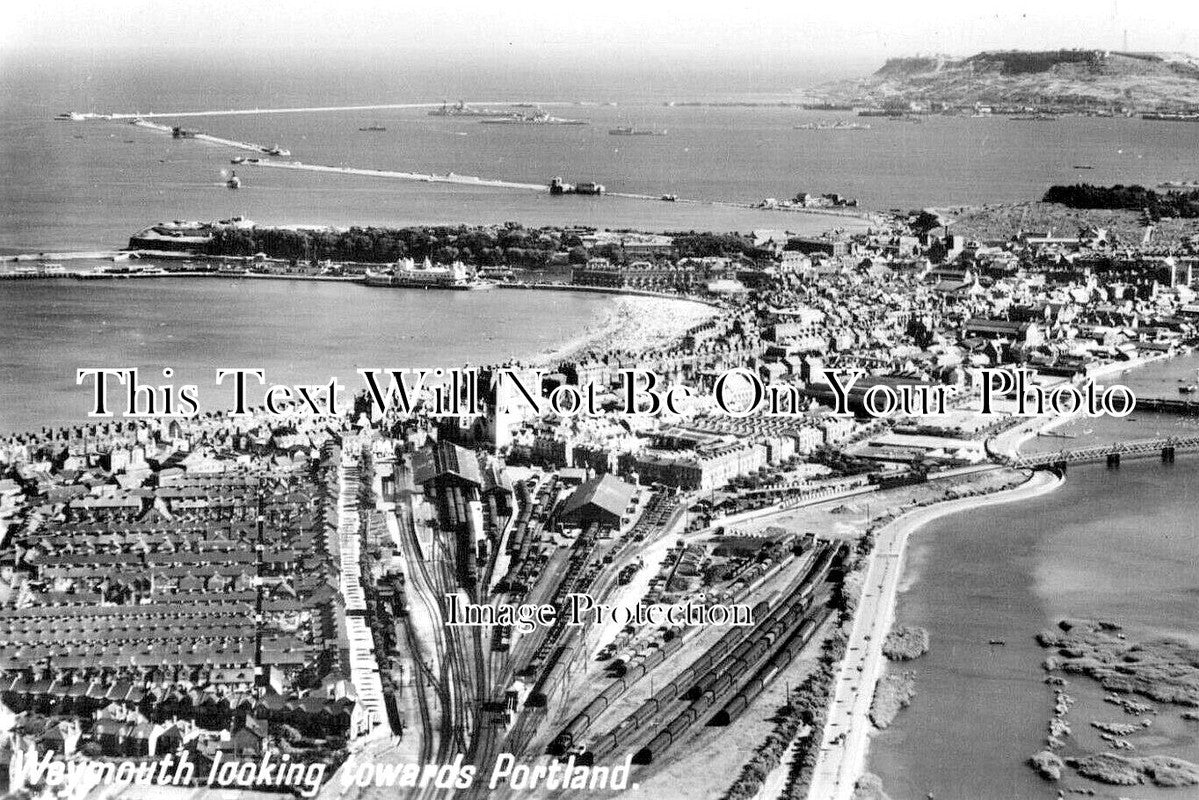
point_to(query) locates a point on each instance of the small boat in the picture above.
(997, 642)
(372, 128)
(1084, 166)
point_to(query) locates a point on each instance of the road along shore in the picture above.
(846, 735)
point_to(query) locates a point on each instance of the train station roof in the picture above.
(446, 459)
(605, 493)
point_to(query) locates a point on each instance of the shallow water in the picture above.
(1119, 545)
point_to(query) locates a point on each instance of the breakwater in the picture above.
(473, 180)
(204, 137)
(234, 112)
(425, 177)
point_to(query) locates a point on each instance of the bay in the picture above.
(297, 331)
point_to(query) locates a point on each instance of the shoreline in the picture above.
(636, 324)
(852, 763)
(842, 763)
(623, 322)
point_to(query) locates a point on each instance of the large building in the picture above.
(644, 275)
(708, 466)
(606, 500)
(446, 464)
(830, 247)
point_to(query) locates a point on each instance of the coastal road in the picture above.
(846, 734)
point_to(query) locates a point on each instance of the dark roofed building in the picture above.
(1021, 332)
(446, 463)
(605, 500)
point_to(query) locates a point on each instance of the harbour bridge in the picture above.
(1111, 453)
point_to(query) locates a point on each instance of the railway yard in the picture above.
(606, 693)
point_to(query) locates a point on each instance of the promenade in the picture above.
(846, 735)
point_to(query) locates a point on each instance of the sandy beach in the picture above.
(846, 736)
(634, 324)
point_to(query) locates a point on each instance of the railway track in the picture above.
(707, 685)
(423, 590)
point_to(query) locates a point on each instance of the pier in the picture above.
(1112, 454)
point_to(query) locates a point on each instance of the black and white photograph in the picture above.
(636, 400)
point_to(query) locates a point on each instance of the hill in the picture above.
(1069, 79)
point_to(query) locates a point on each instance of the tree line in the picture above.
(509, 245)
(1136, 198)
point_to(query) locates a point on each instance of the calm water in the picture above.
(299, 332)
(1118, 545)
(90, 185)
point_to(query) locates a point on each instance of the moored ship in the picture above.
(406, 274)
(461, 109)
(540, 118)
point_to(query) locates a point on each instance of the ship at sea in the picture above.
(461, 109)
(372, 128)
(540, 118)
(635, 132)
(829, 125)
(407, 274)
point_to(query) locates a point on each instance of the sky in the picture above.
(702, 33)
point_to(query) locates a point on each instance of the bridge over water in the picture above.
(1111, 453)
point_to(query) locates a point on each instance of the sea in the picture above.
(90, 185)
(1120, 543)
(297, 332)
(1117, 545)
